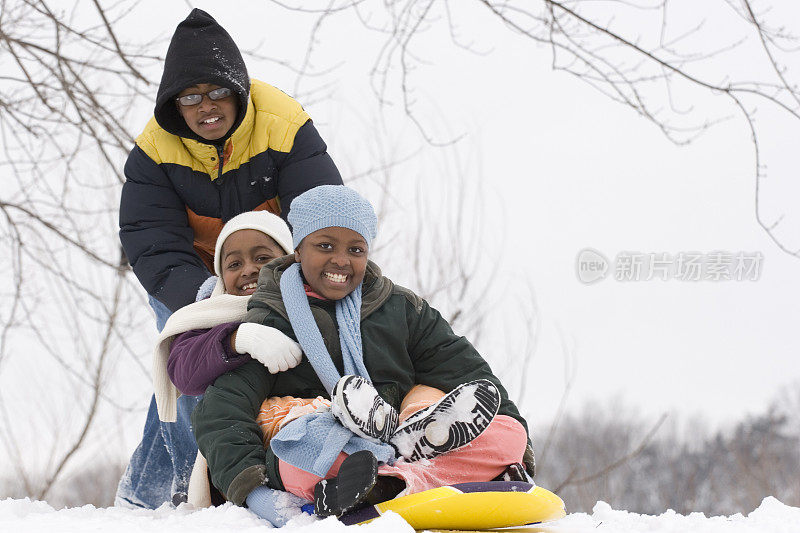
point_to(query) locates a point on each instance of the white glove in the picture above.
(268, 346)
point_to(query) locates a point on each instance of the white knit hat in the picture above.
(262, 221)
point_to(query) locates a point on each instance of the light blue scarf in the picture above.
(348, 317)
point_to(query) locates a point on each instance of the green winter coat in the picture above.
(405, 342)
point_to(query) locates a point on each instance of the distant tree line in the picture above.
(686, 470)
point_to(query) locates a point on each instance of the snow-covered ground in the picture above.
(28, 516)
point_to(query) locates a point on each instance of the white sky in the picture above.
(565, 168)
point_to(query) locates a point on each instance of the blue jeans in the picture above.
(162, 463)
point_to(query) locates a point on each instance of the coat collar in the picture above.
(237, 143)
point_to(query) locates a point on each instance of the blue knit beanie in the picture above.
(332, 206)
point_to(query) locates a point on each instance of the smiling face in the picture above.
(210, 119)
(333, 261)
(243, 254)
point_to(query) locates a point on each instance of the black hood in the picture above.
(201, 51)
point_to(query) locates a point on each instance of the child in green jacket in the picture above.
(367, 343)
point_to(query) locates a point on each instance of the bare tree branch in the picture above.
(616, 464)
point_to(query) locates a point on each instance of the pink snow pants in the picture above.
(501, 444)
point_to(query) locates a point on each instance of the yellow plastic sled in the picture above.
(469, 506)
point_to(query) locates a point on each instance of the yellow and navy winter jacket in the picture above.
(181, 189)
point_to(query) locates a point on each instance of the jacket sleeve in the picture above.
(306, 166)
(445, 360)
(155, 234)
(226, 431)
(199, 356)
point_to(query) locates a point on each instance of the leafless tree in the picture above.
(609, 453)
(683, 67)
(67, 83)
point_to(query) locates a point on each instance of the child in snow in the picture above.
(206, 339)
(368, 343)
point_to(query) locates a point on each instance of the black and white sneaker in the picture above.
(355, 479)
(450, 423)
(513, 472)
(359, 408)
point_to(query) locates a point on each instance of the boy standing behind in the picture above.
(219, 144)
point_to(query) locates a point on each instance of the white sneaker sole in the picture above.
(455, 421)
(350, 404)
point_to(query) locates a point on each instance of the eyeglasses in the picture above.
(194, 99)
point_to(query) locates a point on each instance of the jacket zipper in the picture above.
(220, 151)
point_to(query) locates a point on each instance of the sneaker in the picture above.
(513, 472)
(356, 477)
(386, 488)
(359, 408)
(450, 423)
